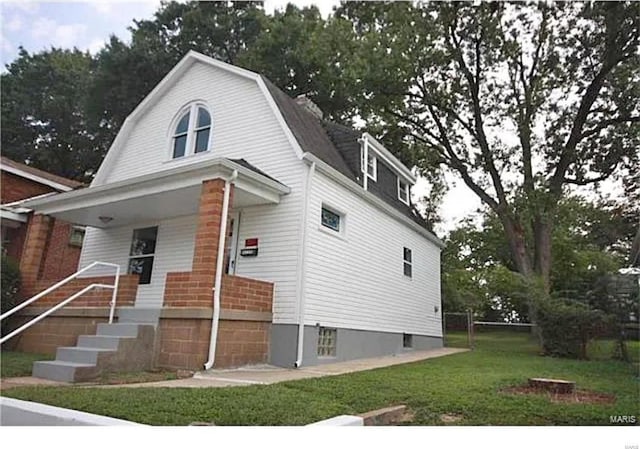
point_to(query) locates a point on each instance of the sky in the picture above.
(39, 26)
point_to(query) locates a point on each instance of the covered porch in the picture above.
(132, 214)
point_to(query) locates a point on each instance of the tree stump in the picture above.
(552, 385)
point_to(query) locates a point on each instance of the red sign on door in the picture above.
(251, 242)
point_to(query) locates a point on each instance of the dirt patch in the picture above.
(449, 418)
(575, 397)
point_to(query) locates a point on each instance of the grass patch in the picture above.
(19, 364)
(467, 386)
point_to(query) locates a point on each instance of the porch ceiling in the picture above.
(171, 193)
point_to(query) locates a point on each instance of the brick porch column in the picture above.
(195, 288)
(33, 253)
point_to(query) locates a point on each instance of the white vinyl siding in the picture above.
(357, 282)
(174, 252)
(243, 126)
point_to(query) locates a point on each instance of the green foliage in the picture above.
(44, 113)
(9, 283)
(589, 242)
(567, 327)
(467, 384)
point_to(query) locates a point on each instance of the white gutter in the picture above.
(218, 280)
(302, 274)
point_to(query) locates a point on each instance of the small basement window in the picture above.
(327, 342)
(331, 219)
(407, 262)
(76, 236)
(403, 191)
(407, 340)
(141, 255)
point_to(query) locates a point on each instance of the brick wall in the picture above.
(127, 290)
(61, 258)
(195, 288)
(239, 293)
(184, 343)
(46, 252)
(47, 335)
(16, 188)
(187, 289)
(242, 343)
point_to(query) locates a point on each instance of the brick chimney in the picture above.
(309, 105)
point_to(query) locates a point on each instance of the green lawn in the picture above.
(16, 364)
(465, 384)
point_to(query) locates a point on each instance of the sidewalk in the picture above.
(267, 374)
(253, 375)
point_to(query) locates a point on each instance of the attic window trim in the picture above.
(192, 110)
(371, 162)
(406, 191)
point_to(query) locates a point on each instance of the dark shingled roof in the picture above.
(335, 144)
(252, 167)
(5, 161)
(308, 130)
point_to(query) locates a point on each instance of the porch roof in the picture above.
(169, 193)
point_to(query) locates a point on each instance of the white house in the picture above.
(253, 231)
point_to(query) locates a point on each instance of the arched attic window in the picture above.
(192, 133)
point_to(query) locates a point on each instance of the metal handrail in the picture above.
(66, 301)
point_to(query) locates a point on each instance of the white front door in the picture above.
(231, 242)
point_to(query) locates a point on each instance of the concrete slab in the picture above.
(266, 374)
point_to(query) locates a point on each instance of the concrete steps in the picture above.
(117, 347)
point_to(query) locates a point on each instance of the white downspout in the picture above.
(302, 267)
(218, 280)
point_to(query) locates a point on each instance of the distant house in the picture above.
(249, 230)
(63, 241)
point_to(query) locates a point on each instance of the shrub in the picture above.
(568, 326)
(10, 284)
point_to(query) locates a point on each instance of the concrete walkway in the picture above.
(267, 374)
(253, 375)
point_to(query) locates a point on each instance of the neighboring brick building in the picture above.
(63, 241)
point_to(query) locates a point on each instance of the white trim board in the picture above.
(36, 178)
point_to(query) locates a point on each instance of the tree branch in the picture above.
(585, 181)
(605, 123)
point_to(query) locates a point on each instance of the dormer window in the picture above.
(403, 191)
(370, 165)
(192, 133)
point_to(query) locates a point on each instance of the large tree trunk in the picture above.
(542, 230)
(514, 232)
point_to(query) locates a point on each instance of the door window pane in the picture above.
(143, 247)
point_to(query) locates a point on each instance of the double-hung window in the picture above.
(407, 262)
(142, 252)
(192, 133)
(369, 165)
(403, 191)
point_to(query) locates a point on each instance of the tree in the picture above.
(591, 241)
(127, 73)
(521, 101)
(44, 115)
